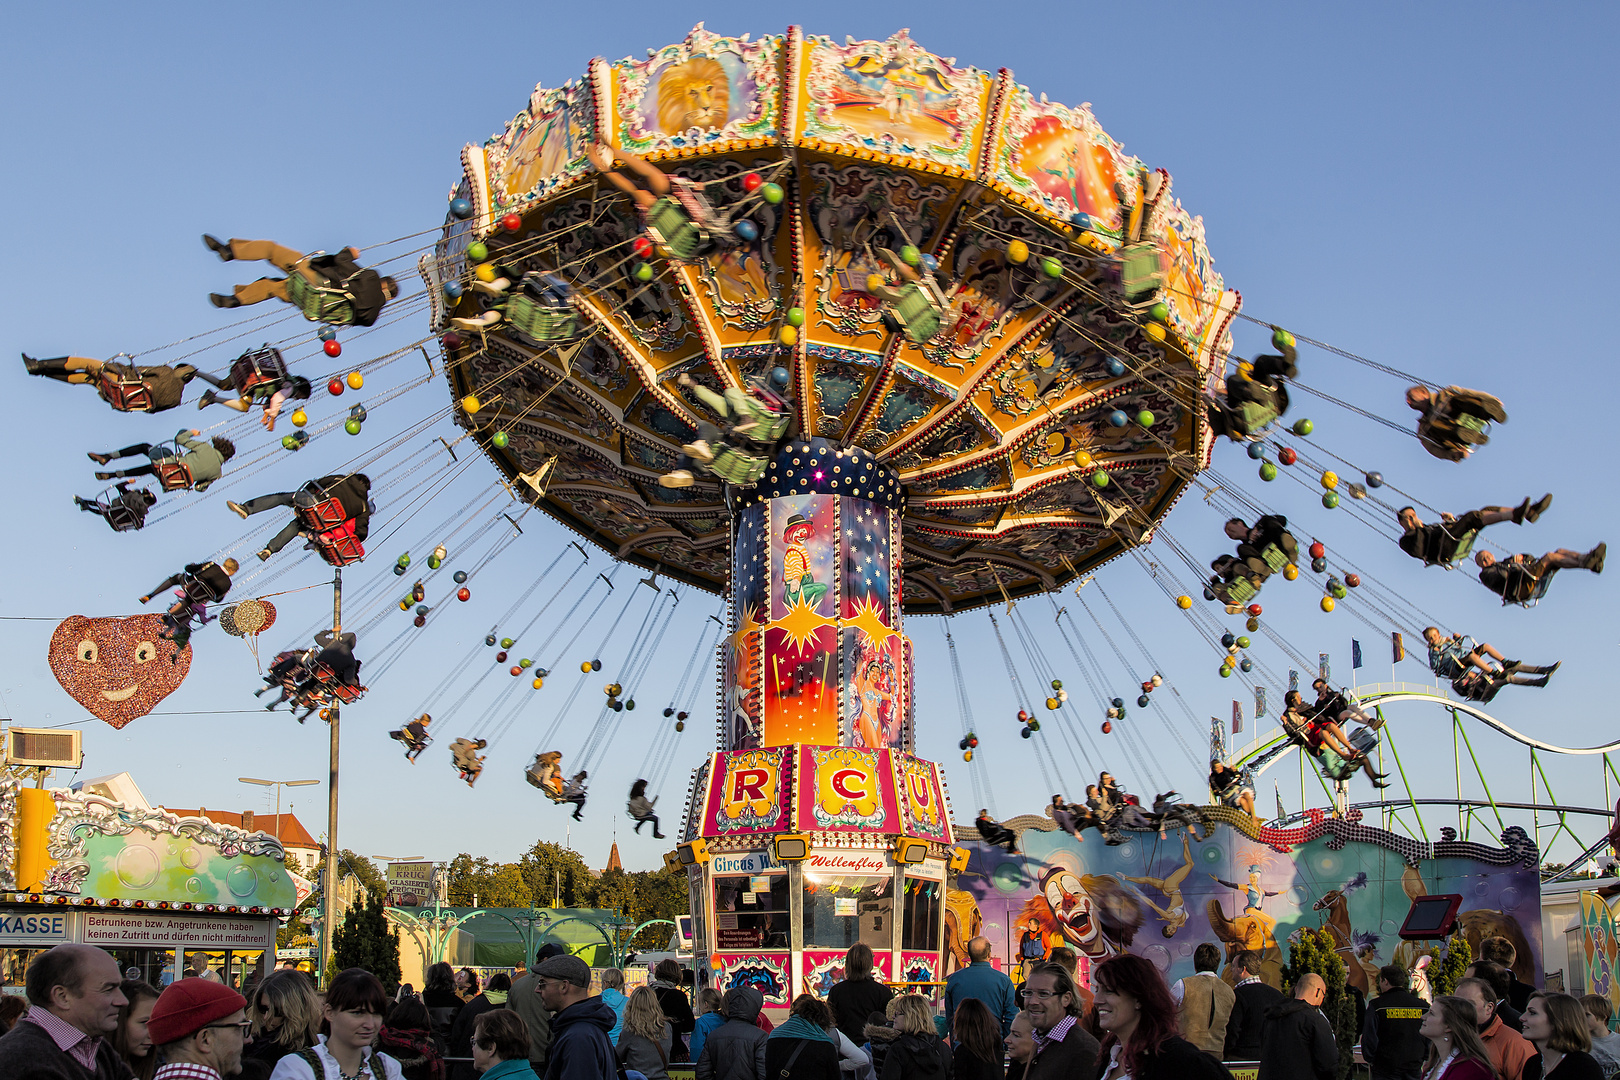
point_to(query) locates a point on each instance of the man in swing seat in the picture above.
(127, 387)
(195, 470)
(1523, 578)
(1452, 657)
(1451, 538)
(1455, 420)
(756, 418)
(332, 289)
(673, 209)
(1255, 395)
(125, 511)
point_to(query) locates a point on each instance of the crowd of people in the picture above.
(81, 1020)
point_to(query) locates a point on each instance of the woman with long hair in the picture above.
(858, 995)
(440, 997)
(1138, 1020)
(1556, 1023)
(645, 1038)
(354, 1008)
(978, 1042)
(1456, 1052)
(407, 1037)
(130, 1039)
(666, 983)
(286, 1015)
(919, 1053)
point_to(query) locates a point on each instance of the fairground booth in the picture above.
(153, 889)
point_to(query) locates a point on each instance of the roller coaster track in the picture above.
(1372, 697)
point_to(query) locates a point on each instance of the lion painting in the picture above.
(693, 94)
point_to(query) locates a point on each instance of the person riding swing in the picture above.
(1255, 396)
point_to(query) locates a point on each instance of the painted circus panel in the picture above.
(542, 148)
(804, 544)
(844, 789)
(707, 89)
(1061, 158)
(749, 794)
(1161, 898)
(874, 707)
(742, 657)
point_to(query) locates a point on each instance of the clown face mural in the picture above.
(1095, 915)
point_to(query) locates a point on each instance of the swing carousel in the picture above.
(953, 325)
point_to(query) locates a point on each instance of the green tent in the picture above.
(498, 940)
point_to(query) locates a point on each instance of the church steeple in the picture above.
(613, 862)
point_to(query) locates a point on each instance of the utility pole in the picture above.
(329, 901)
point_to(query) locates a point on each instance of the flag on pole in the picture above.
(1398, 646)
(1281, 813)
(1324, 669)
(1237, 717)
(1355, 653)
(1259, 702)
(1217, 739)
(1293, 680)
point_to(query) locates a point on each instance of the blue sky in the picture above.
(1429, 186)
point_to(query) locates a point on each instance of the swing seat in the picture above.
(1537, 591)
(548, 321)
(329, 684)
(339, 546)
(1274, 557)
(124, 391)
(1239, 591)
(1254, 417)
(326, 513)
(672, 227)
(735, 467)
(1141, 271)
(320, 302)
(119, 514)
(173, 474)
(259, 372)
(1463, 547)
(918, 314)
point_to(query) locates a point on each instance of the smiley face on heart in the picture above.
(117, 668)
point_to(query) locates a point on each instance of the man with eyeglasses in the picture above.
(199, 1029)
(73, 999)
(1063, 1049)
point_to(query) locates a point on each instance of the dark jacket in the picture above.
(852, 1001)
(1519, 992)
(1576, 1065)
(817, 1061)
(677, 1009)
(364, 285)
(879, 1037)
(461, 1033)
(1389, 1038)
(917, 1057)
(259, 1058)
(579, 1047)
(1076, 1055)
(1298, 1044)
(28, 1053)
(966, 1066)
(442, 1005)
(1248, 1020)
(1176, 1059)
(736, 1049)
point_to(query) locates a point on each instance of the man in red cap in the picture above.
(199, 1029)
(73, 1000)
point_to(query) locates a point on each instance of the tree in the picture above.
(482, 883)
(1314, 952)
(550, 868)
(365, 940)
(1445, 975)
(364, 869)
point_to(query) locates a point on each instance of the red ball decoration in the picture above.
(1287, 456)
(1108, 727)
(1318, 550)
(753, 182)
(1023, 716)
(333, 347)
(335, 387)
(500, 657)
(464, 594)
(973, 742)
(1352, 580)
(511, 223)
(1254, 610)
(643, 247)
(516, 670)
(451, 340)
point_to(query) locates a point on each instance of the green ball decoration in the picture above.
(289, 443)
(1281, 339)
(405, 559)
(506, 642)
(795, 316)
(1057, 684)
(477, 251)
(772, 193)
(1159, 312)
(525, 663)
(1268, 471)
(1302, 426)
(1242, 642)
(352, 426)
(1034, 725)
(1145, 418)
(434, 562)
(1099, 479)
(644, 272)
(910, 255)
(1051, 267)
(1226, 672)
(1330, 499)
(500, 439)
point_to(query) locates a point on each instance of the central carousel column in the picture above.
(814, 826)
